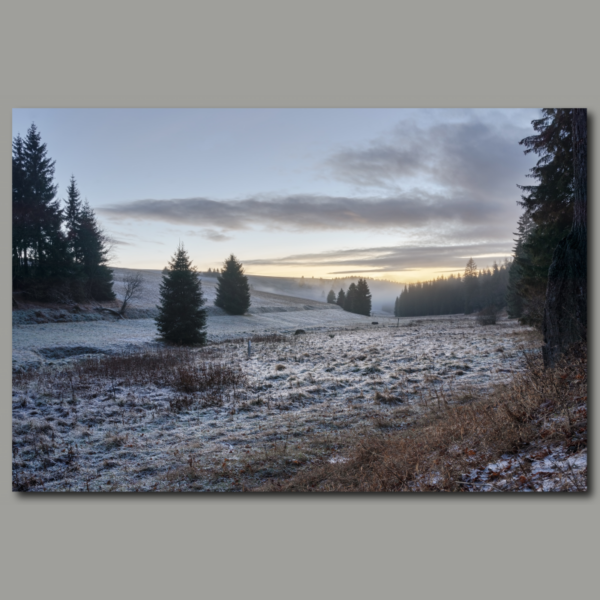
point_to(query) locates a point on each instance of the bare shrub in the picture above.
(134, 287)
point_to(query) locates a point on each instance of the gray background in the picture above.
(325, 54)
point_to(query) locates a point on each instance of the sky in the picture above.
(401, 194)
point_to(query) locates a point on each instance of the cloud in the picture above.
(415, 209)
(210, 234)
(473, 157)
(394, 258)
(453, 180)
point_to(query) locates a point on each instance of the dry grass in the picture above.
(182, 369)
(539, 412)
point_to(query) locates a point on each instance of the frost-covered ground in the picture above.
(549, 470)
(301, 393)
(59, 333)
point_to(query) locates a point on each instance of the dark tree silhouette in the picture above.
(57, 255)
(351, 298)
(40, 257)
(181, 318)
(331, 297)
(21, 226)
(341, 299)
(72, 215)
(92, 246)
(447, 295)
(233, 290)
(548, 210)
(362, 305)
(565, 314)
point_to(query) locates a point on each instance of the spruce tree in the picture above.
(351, 297)
(72, 216)
(331, 297)
(21, 223)
(548, 208)
(39, 218)
(181, 318)
(566, 307)
(341, 299)
(233, 290)
(91, 246)
(363, 299)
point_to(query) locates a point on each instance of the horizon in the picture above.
(402, 195)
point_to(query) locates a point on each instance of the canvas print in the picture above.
(299, 300)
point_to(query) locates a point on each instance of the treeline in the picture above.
(475, 291)
(356, 300)
(548, 213)
(58, 251)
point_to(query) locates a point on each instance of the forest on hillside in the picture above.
(475, 291)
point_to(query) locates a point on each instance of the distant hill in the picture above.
(384, 293)
(287, 291)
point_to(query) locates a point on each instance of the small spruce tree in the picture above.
(233, 290)
(363, 298)
(181, 318)
(341, 299)
(91, 245)
(331, 297)
(351, 298)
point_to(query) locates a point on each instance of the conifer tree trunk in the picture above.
(565, 314)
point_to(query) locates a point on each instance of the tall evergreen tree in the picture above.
(181, 318)
(351, 298)
(233, 290)
(548, 209)
(341, 299)
(42, 241)
(565, 312)
(91, 245)
(363, 299)
(331, 297)
(72, 214)
(56, 254)
(21, 233)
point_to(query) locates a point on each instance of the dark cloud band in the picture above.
(304, 213)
